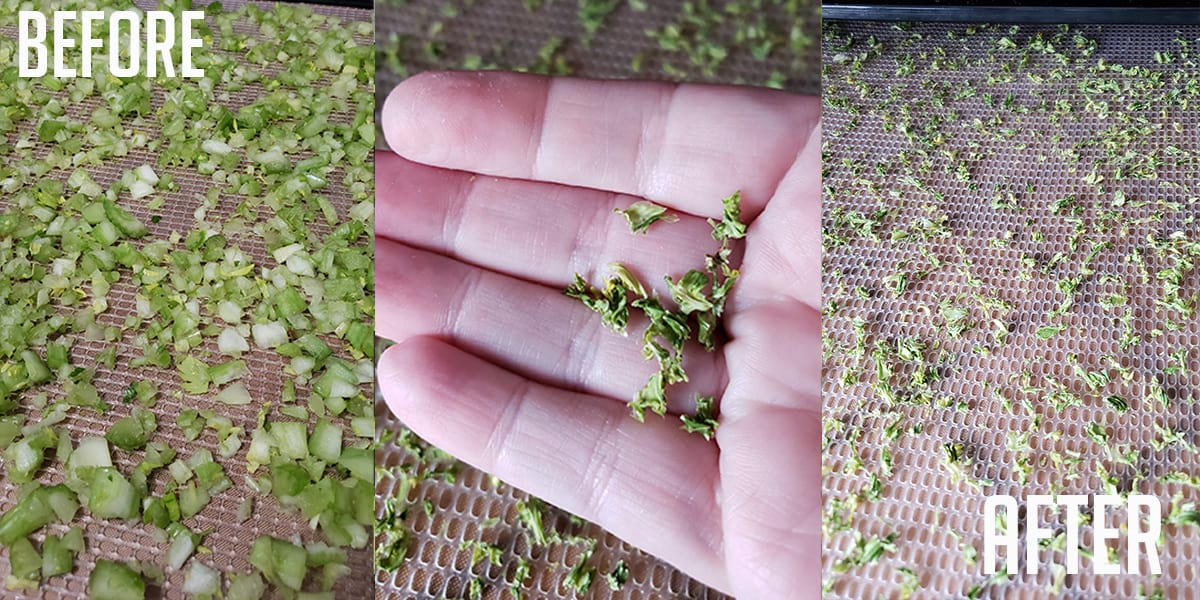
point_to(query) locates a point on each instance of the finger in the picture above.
(537, 231)
(527, 328)
(772, 408)
(775, 348)
(649, 483)
(771, 508)
(685, 145)
(784, 253)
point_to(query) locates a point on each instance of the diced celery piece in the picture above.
(281, 562)
(291, 438)
(112, 496)
(359, 461)
(25, 566)
(124, 220)
(132, 432)
(325, 442)
(39, 507)
(57, 556)
(223, 373)
(246, 586)
(115, 581)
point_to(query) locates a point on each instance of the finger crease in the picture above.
(500, 441)
(536, 139)
(458, 307)
(602, 466)
(650, 143)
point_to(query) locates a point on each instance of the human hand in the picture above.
(496, 366)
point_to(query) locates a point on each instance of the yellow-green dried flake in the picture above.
(618, 576)
(532, 515)
(697, 292)
(704, 422)
(643, 213)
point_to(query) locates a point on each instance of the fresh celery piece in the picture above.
(132, 432)
(128, 224)
(325, 442)
(112, 580)
(360, 462)
(111, 496)
(245, 586)
(58, 553)
(25, 456)
(25, 572)
(291, 438)
(281, 562)
(39, 507)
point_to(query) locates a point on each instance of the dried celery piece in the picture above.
(698, 293)
(642, 214)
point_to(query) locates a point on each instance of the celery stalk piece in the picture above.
(245, 586)
(128, 224)
(25, 566)
(112, 496)
(59, 551)
(115, 581)
(39, 507)
(281, 562)
(134, 431)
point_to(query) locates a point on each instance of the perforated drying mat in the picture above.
(505, 34)
(909, 97)
(230, 541)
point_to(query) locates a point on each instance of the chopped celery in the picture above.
(360, 462)
(226, 372)
(128, 224)
(132, 432)
(25, 457)
(325, 442)
(115, 581)
(195, 375)
(314, 347)
(39, 507)
(269, 335)
(245, 586)
(192, 500)
(59, 551)
(362, 338)
(25, 566)
(91, 452)
(84, 394)
(281, 562)
(236, 394)
(202, 580)
(111, 496)
(191, 423)
(183, 543)
(291, 438)
(77, 244)
(288, 480)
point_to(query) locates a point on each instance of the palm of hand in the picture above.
(494, 365)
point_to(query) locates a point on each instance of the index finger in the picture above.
(681, 145)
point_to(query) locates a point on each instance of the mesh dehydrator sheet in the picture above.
(1010, 230)
(229, 540)
(421, 35)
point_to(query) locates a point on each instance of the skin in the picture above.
(502, 188)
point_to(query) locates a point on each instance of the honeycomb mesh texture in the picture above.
(229, 540)
(507, 35)
(904, 106)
